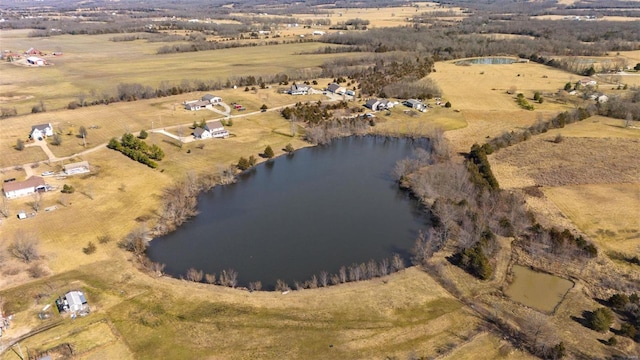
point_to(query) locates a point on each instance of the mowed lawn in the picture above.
(94, 66)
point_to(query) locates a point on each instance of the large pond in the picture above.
(295, 216)
(537, 290)
(487, 61)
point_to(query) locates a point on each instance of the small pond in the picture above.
(487, 61)
(536, 289)
(295, 216)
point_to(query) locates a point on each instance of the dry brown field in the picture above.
(94, 66)
(590, 178)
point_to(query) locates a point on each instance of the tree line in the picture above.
(137, 149)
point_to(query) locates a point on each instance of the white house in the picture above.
(17, 189)
(212, 99)
(299, 90)
(378, 104)
(76, 168)
(318, 33)
(588, 82)
(216, 129)
(200, 133)
(34, 60)
(197, 105)
(42, 130)
(212, 129)
(73, 301)
(602, 99)
(415, 104)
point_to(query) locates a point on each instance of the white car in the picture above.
(48, 173)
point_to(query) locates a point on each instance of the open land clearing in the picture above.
(137, 315)
(93, 64)
(592, 165)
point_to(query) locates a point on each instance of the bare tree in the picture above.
(627, 120)
(384, 267)
(157, 268)
(25, 246)
(194, 275)
(372, 269)
(324, 278)
(232, 277)
(281, 285)
(210, 278)
(342, 274)
(255, 286)
(397, 263)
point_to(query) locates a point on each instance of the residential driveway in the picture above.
(226, 112)
(184, 139)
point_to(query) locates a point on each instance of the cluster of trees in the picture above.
(628, 308)
(326, 131)
(479, 168)
(203, 45)
(137, 150)
(563, 244)
(355, 272)
(522, 102)
(312, 113)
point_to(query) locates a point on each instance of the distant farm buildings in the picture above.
(206, 102)
(36, 61)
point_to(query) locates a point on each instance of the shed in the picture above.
(73, 301)
(76, 168)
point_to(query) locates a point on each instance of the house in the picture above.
(216, 129)
(74, 302)
(588, 82)
(201, 133)
(318, 33)
(34, 60)
(415, 104)
(212, 99)
(76, 168)
(378, 104)
(41, 131)
(336, 89)
(33, 51)
(197, 105)
(299, 90)
(17, 189)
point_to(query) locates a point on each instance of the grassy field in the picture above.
(592, 166)
(92, 64)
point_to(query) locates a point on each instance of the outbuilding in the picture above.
(76, 168)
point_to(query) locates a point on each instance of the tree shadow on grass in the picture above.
(584, 320)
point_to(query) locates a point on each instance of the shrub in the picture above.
(68, 189)
(19, 145)
(143, 134)
(36, 271)
(447, 104)
(268, 152)
(90, 249)
(628, 330)
(103, 239)
(601, 319)
(56, 139)
(558, 139)
(612, 341)
(618, 301)
(289, 148)
(243, 164)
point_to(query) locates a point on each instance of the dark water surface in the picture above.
(295, 216)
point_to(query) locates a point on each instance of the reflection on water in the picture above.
(295, 216)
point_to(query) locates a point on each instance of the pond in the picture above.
(537, 290)
(487, 61)
(295, 216)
